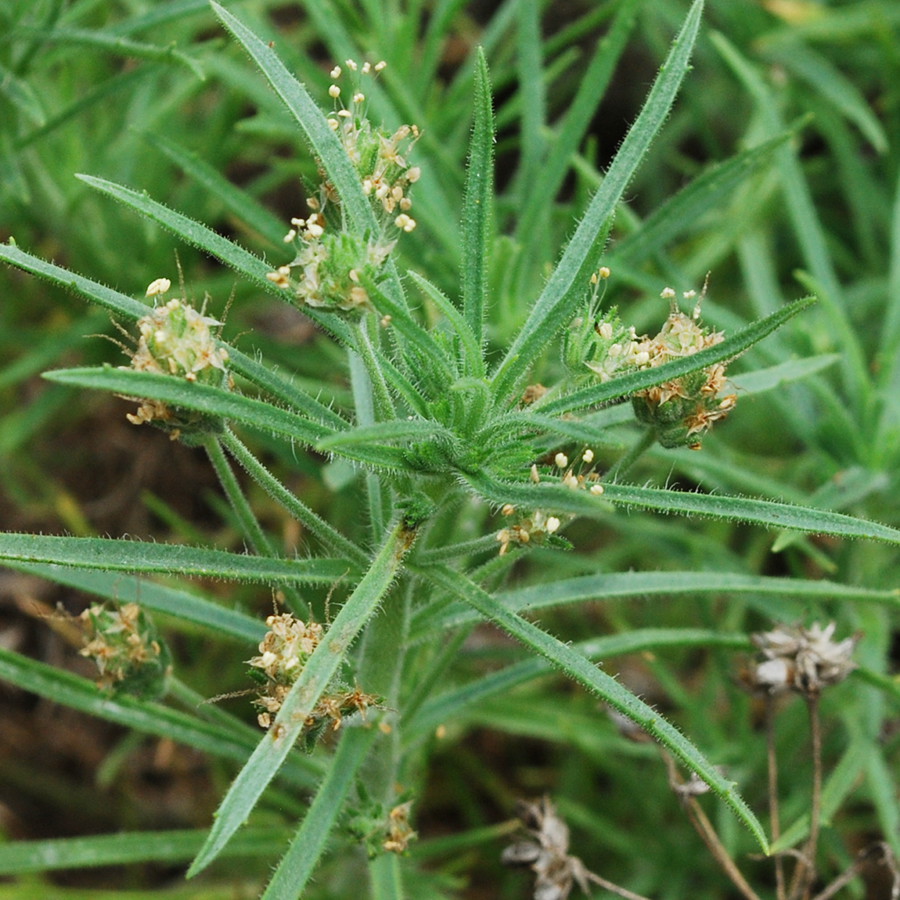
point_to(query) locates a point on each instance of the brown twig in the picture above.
(613, 888)
(708, 833)
(805, 872)
(861, 858)
(774, 812)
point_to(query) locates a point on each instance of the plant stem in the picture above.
(624, 463)
(315, 524)
(805, 872)
(252, 531)
(708, 833)
(720, 854)
(613, 888)
(386, 878)
(363, 400)
(774, 813)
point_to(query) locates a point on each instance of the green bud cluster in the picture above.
(129, 653)
(331, 266)
(177, 340)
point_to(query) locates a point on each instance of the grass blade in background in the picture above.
(581, 256)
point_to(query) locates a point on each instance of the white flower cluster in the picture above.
(800, 659)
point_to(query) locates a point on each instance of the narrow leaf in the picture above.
(191, 231)
(20, 857)
(120, 46)
(679, 213)
(477, 212)
(448, 706)
(577, 667)
(297, 865)
(579, 116)
(341, 173)
(180, 604)
(272, 750)
(147, 717)
(216, 402)
(245, 207)
(619, 585)
(107, 554)
(560, 499)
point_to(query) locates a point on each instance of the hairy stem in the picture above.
(252, 531)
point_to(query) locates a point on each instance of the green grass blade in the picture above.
(843, 778)
(108, 554)
(299, 862)
(578, 118)
(808, 230)
(834, 86)
(301, 106)
(571, 277)
(579, 668)
(146, 717)
(477, 213)
(272, 750)
(245, 207)
(115, 586)
(627, 385)
(22, 95)
(680, 212)
(120, 46)
(531, 94)
(22, 857)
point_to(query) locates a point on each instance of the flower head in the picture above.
(175, 339)
(682, 409)
(546, 852)
(128, 651)
(800, 659)
(283, 653)
(333, 266)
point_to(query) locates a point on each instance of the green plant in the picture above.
(441, 416)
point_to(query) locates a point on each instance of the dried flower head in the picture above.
(546, 852)
(684, 408)
(283, 653)
(801, 659)
(400, 832)
(128, 651)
